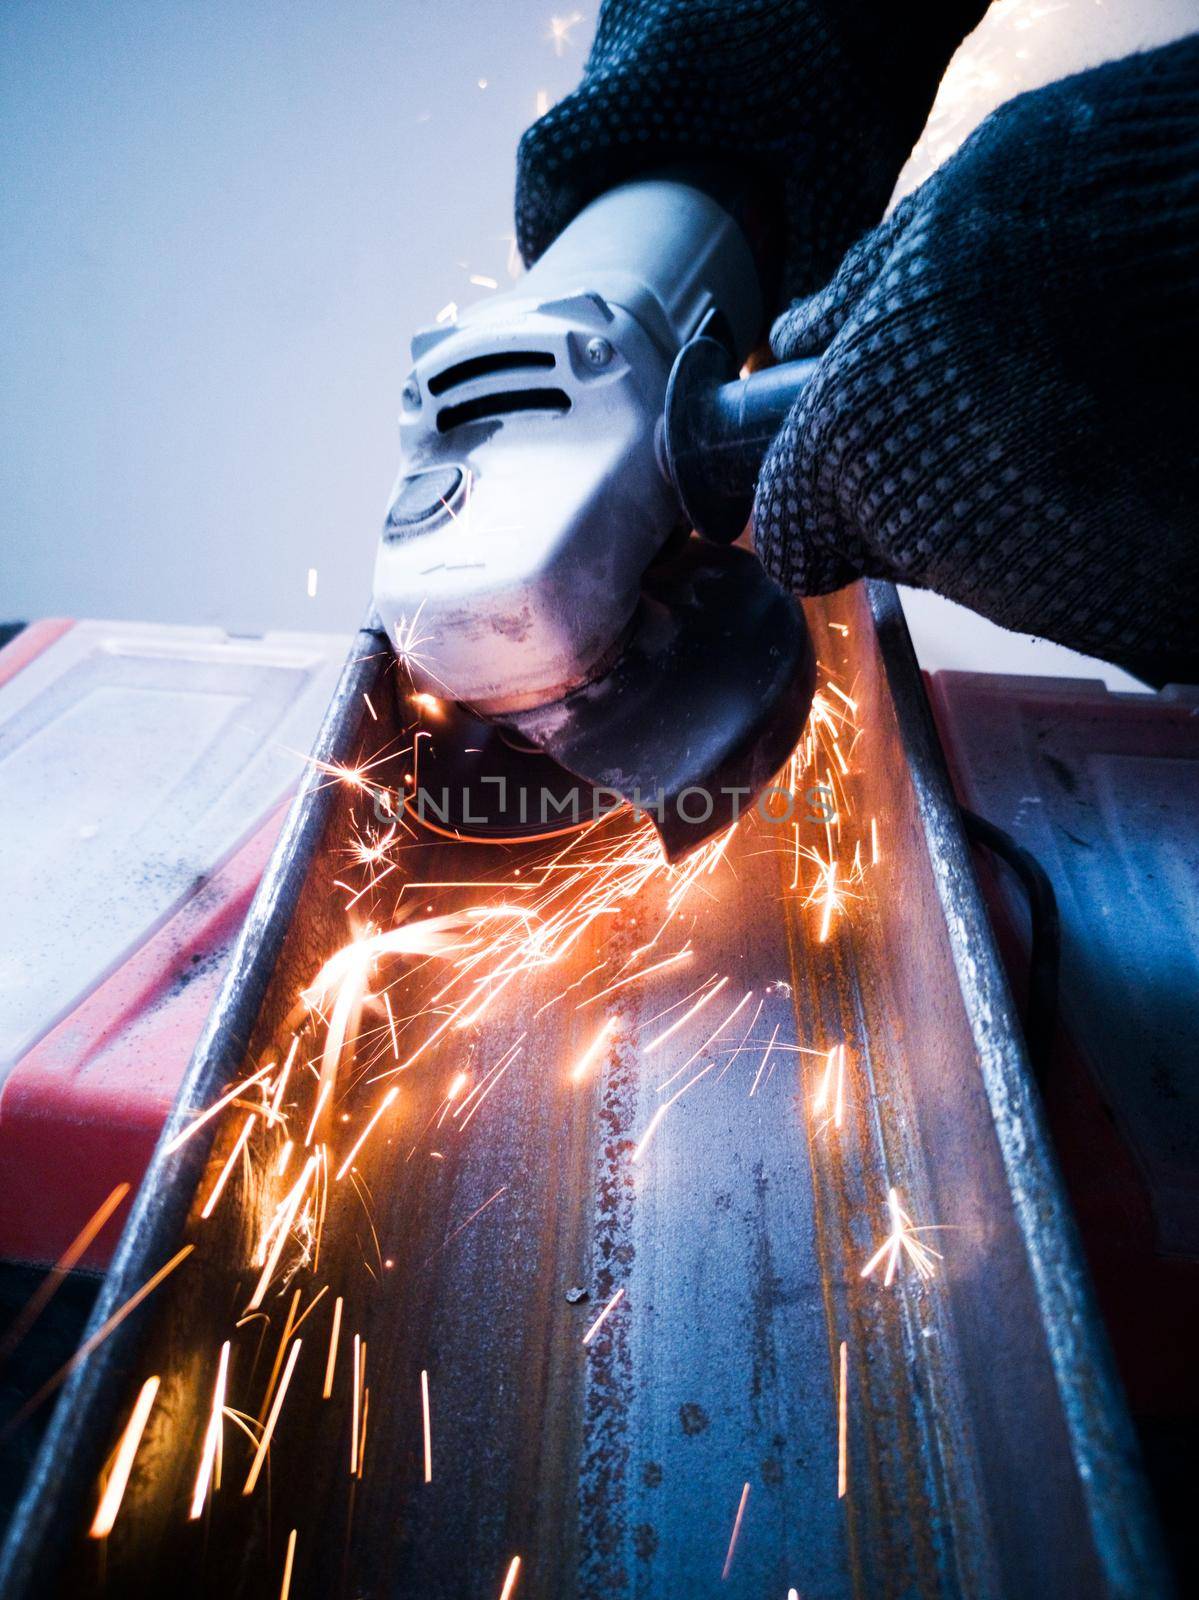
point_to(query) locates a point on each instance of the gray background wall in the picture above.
(222, 221)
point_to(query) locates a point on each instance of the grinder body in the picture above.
(537, 410)
(530, 567)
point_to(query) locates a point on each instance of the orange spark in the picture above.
(218, 1187)
(636, 977)
(366, 1409)
(264, 1443)
(122, 1466)
(901, 1240)
(288, 1330)
(840, 693)
(686, 1017)
(603, 1316)
(356, 1401)
(592, 1052)
(315, 1301)
(832, 1087)
(424, 1407)
(765, 1059)
(712, 1038)
(325, 1091)
(288, 1563)
(478, 1212)
(484, 1089)
(749, 1028)
(658, 1115)
(284, 1074)
(387, 1100)
(280, 1229)
(843, 1425)
(237, 1089)
(827, 892)
(98, 1338)
(728, 1560)
(407, 640)
(210, 1454)
(55, 1278)
(333, 1337)
(344, 975)
(510, 1579)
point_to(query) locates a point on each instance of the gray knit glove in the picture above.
(1006, 407)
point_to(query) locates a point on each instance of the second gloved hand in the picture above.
(1004, 411)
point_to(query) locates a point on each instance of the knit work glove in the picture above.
(1006, 407)
(813, 104)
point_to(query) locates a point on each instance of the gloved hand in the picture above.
(1005, 411)
(813, 103)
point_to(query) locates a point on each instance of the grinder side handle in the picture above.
(717, 428)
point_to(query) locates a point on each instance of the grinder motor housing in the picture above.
(529, 567)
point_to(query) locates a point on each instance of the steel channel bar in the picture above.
(988, 1448)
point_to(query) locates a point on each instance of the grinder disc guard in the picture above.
(693, 718)
(478, 783)
(701, 707)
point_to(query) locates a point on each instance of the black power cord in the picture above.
(1044, 957)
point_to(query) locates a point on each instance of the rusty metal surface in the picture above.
(987, 1448)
